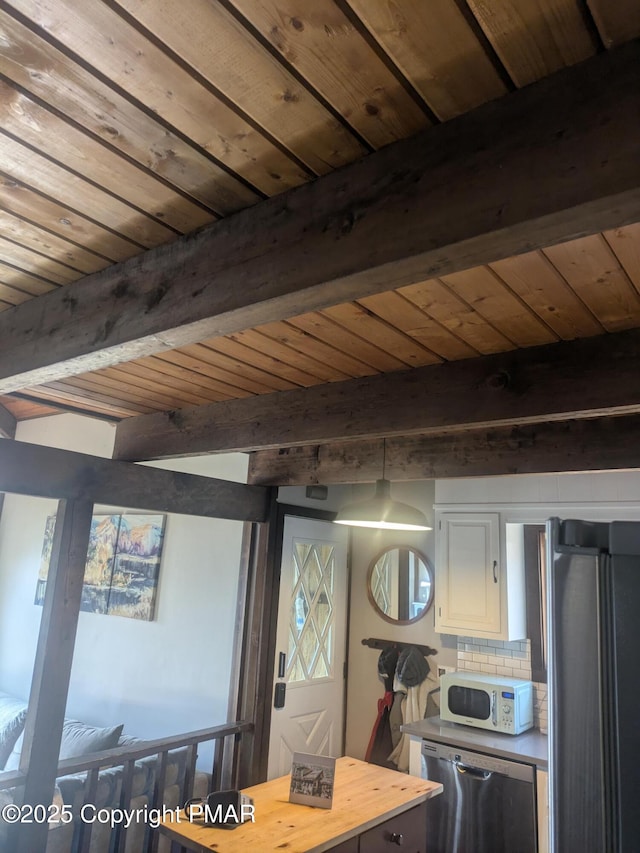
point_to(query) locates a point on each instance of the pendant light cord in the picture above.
(384, 456)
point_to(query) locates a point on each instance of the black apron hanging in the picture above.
(380, 743)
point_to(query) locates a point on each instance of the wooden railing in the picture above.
(223, 773)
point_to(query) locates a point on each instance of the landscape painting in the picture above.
(123, 562)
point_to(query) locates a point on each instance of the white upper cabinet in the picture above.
(479, 577)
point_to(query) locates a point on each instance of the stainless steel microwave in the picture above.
(487, 701)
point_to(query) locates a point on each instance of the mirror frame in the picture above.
(430, 572)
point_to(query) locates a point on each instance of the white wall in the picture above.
(161, 677)
(610, 491)
(364, 686)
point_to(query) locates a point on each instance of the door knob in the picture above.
(396, 838)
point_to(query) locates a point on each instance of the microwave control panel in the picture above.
(507, 700)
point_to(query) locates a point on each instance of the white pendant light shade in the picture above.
(382, 512)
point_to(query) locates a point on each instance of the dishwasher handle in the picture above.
(475, 772)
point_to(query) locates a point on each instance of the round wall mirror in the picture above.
(400, 585)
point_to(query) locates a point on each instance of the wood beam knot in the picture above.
(499, 380)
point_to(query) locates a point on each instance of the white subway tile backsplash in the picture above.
(511, 659)
(522, 665)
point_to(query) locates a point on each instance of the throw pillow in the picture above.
(80, 739)
(12, 716)
(13, 762)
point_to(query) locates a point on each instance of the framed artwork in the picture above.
(123, 562)
(312, 780)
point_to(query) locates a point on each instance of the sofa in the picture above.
(79, 739)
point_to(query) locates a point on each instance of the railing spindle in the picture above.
(189, 773)
(126, 757)
(84, 830)
(218, 759)
(125, 803)
(153, 838)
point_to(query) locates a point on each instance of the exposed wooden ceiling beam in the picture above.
(550, 162)
(7, 423)
(562, 381)
(30, 469)
(589, 445)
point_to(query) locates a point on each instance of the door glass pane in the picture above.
(295, 670)
(381, 581)
(321, 670)
(300, 609)
(323, 610)
(312, 612)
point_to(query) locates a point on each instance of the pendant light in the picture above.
(381, 511)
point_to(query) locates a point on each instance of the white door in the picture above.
(310, 643)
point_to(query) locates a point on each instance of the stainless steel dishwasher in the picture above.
(488, 804)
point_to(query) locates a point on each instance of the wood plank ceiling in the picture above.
(126, 124)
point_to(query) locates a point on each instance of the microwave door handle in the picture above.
(494, 708)
(474, 772)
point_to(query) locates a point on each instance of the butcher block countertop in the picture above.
(364, 796)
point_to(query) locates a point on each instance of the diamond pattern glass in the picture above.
(381, 583)
(312, 612)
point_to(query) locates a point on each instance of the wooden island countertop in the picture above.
(365, 795)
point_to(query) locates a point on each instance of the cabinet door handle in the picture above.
(495, 571)
(396, 838)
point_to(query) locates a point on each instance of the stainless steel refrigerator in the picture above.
(594, 686)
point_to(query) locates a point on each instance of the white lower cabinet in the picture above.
(415, 756)
(542, 800)
(479, 589)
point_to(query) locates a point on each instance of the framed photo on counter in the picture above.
(312, 780)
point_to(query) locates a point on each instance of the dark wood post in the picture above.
(253, 657)
(52, 667)
(7, 430)
(7, 423)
